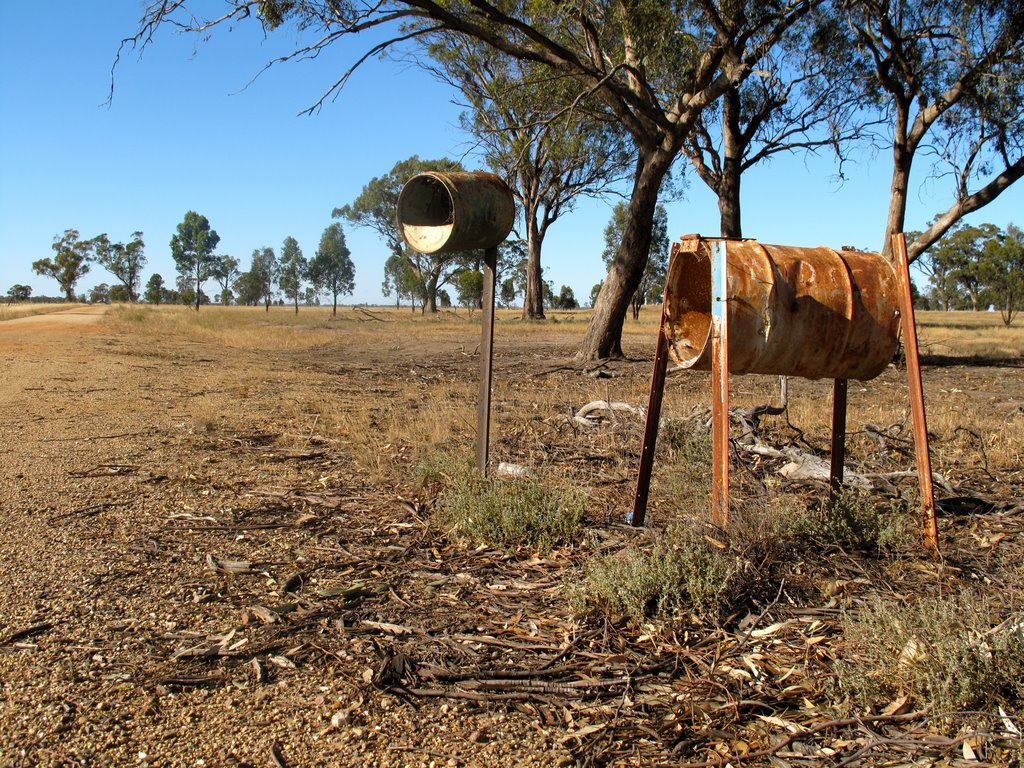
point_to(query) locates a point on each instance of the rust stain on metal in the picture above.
(810, 312)
(930, 530)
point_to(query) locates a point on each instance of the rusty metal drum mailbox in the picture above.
(455, 211)
(738, 307)
(809, 312)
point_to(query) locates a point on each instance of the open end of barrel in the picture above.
(689, 307)
(426, 213)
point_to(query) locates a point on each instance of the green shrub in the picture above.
(848, 519)
(953, 653)
(681, 574)
(509, 513)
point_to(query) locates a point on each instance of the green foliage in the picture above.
(225, 272)
(70, 264)
(652, 282)
(99, 294)
(566, 298)
(954, 653)
(192, 247)
(332, 268)
(123, 260)
(1001, 270)
(850, 519)
(375, 208)
(19, 292)
(509, 513)
(154, 289)
(257, 284)
(682, 574)
(508, 292)
(293, 270)
(469, 287)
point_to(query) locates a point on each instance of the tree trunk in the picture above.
(334, 309)
(533, 298)
(732, 158)
(296, 302)
(603, 338)
(902, 158)
(198, 287)
(430, 300)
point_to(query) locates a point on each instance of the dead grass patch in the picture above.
(28, 309)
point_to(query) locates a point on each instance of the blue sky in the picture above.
(187, 130)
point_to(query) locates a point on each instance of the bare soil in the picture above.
(181, 588)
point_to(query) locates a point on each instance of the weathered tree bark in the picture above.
(533, 299)
(603, 338)
(732, 169)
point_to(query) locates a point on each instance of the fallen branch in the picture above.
(587, 418)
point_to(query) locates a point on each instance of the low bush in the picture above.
(683, 574)
(522, 512)
(953, 653)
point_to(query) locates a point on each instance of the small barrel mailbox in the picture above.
(810, 312)
(455, 211)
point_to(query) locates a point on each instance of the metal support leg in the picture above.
(719, 388)
(643, 478)
(839, 391)
(929, 525)
(483, 414)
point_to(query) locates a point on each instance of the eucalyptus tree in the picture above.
(1002, 270)
(293, 270)
(375, 207)
(70, 262)
(799, 100)
(192, 247)
(549, 156)
(19, 292)
(948, 76)
(154, 289)
(123, 260)
(331, 269)
(655, 65)
(225, 272)
(262, 275)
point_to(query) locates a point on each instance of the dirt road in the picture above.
(128, 468)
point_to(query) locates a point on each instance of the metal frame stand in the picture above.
(720, 402)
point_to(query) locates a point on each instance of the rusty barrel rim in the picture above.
(441, 212)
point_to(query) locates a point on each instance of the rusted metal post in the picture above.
(719, 387)
(920, 424)
(835, 480)
(483, 414)
(643, 478)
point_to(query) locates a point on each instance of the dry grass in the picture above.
(27, 309)
(969, 335)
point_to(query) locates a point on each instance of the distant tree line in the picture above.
(192, 246)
